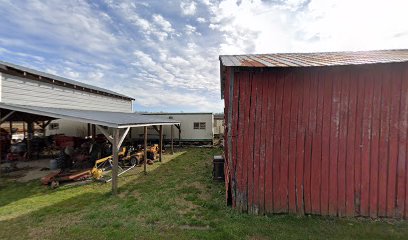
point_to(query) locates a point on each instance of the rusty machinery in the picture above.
(129, 157)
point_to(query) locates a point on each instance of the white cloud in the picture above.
(201, 20)
(163, 23)
(170, 62)
(190, 30)
(317, 25)
(188, 8)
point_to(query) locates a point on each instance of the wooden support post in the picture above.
(88, 130)
(24, 130)
(179, 128)
(30, 134)
(115, 166)
(93, 131)
(160, 142)
(145, 150)
(171, 139)
(11, 130)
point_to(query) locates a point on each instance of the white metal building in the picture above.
(40, 98)
(24, 86)
(194, 127)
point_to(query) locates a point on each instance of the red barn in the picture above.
(317, 133)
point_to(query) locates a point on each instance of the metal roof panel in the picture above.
(109, 119)
(315, 59)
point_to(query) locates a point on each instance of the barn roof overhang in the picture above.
(102, 118)
(262, 62)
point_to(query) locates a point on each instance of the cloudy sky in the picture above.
(165, 53)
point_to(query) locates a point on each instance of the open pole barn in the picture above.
(317, 133)
(35, 97)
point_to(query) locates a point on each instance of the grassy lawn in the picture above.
(176, 200)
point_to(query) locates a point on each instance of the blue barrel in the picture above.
(53, 164)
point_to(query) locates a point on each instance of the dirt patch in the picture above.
(27, 171)
(184, 206)
(204, 192)
(51, 225)
(126, 194)
(190, 227)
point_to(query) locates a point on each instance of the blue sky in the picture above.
(165, 53)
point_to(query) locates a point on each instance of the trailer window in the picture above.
(54, 126)
(199, 125)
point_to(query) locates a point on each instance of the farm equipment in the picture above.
(54, 179)
(129, 157)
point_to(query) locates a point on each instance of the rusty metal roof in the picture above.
(314, 59)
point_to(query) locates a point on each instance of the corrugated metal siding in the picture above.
(329, 141)
(21, 91)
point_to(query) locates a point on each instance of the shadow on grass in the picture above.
(177, 199)
(92, 211)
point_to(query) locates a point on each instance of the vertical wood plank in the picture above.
(234, 139)
(257, 142)
(264, 132)
(351, 142)
(247, 140)
(404, 80)
(240, 141)
(226, 134)
(308, 143)
(341, 167)
(269, 143)
(393, 141)
(300, 142)
(317, 143)
(384, 143)
(334, 140)
(277, 142)
(359, 134)
(327, 98)
(296, 90)
(254, 93)
(402, 143)
(366, 142)
(287, 94)
(375, 133)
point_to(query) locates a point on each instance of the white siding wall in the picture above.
(29, 92)
(188, 133)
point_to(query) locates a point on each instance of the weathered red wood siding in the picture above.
(318, 140)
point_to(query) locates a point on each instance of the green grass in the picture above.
(177, 199)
